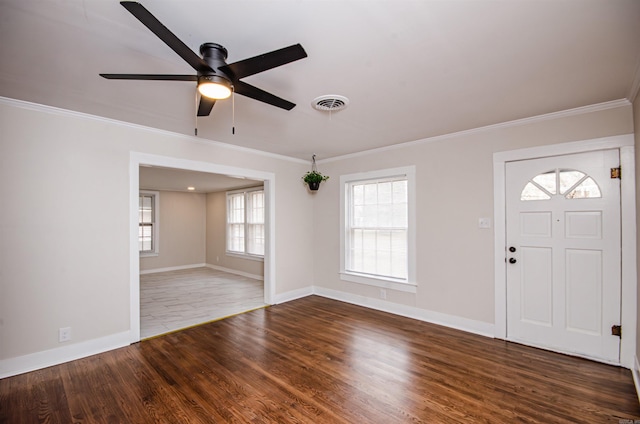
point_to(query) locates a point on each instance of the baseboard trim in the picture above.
(451, 321)
(172, 268)
(293, 295)
(236, 272)
(35, 361)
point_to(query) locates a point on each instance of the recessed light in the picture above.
(191, 188)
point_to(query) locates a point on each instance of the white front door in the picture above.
(563, 253)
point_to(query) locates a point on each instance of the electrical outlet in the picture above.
(383, 293)
(64, 334)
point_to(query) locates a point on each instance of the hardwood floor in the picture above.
(316, 360)
(178, 299)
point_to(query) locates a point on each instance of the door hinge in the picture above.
(616, 330)
(616, 173)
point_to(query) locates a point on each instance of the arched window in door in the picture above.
(570, 183)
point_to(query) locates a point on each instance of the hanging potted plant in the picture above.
(313, 178)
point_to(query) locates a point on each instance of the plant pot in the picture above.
(314, 185)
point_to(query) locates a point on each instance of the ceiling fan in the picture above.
(216, 79)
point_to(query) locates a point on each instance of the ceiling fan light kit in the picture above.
(214, 87)
(215, 78)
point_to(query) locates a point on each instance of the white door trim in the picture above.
(136, 159)
(628, 224)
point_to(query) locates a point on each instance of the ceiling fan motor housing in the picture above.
(216, 56)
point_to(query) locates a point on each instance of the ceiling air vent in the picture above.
(330, 103)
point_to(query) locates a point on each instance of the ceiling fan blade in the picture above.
(150, 21)
(151, 77)
(248, 90)
(205, 106)
(264, 62)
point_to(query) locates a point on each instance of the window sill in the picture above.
(148, 254)
(245, 256)
(378, 282)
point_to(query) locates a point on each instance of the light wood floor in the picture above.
(315, 360)
(178, 299)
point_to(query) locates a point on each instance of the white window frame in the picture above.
(245, 254)
(406, 285)
(156, 223)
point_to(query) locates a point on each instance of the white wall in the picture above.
(182, 232)
(454, 188)
(65, 231)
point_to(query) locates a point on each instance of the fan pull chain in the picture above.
(233, 110)
(196, 115)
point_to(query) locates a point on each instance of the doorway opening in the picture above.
(212, 267)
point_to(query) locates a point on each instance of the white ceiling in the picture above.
(411, 69)
(171, 179)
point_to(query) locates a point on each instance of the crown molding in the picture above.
(72, 113)
(509, 124)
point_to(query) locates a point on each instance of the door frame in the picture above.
(135, 160)
(625, 144)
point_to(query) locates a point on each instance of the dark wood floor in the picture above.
(316, 360)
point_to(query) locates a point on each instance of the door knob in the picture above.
(512, 260)
(512, 249)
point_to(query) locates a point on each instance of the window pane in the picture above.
(532, 192)
(370, 194)
(256, 207)
(145, 238)
(400, 215)
(568, 179)
(588, 189)
(385, 215)
(235, 242)
(358, 216)
(255, 239)
(547, 181)
(235, 209)
(400, 191)
(147, 216)
(145, 210)
(384, 193)
(358, 195)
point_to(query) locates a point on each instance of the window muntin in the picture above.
(245, 222)
(570, 183)
(148, 222)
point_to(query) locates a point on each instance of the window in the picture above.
(569, 183)
(378, 221)
(245, 222)
(148, 204)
